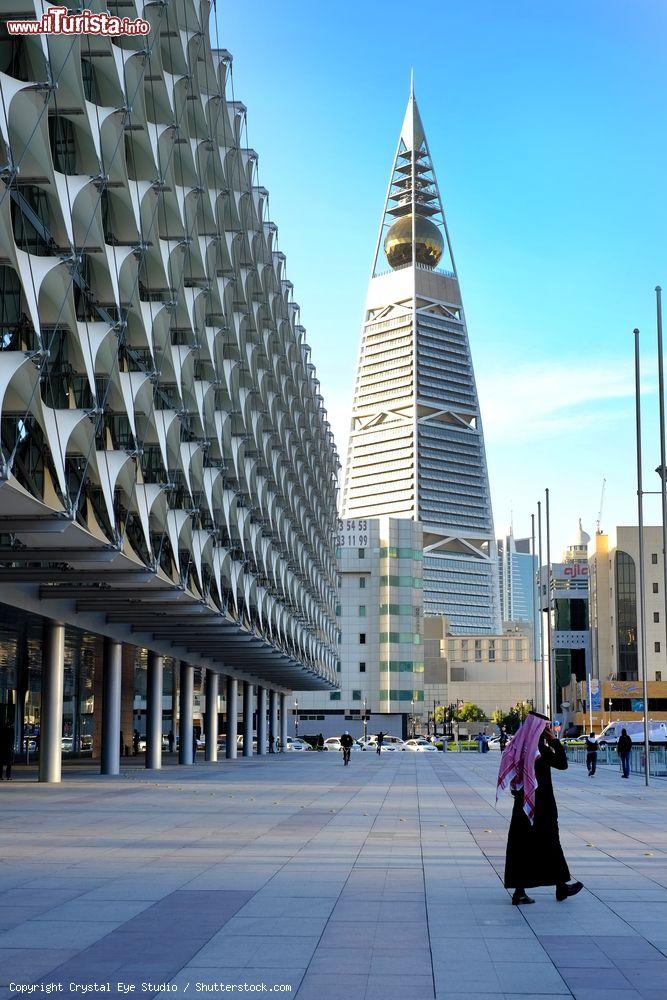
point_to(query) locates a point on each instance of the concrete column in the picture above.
(247, 719)
(261, 721)
(53, 680)
(232, 719)
(111, 687)
(273, 720)
(186, 693)
(211, 720)
(283, 723)
(174, 699)
(154, 710)
(128, 656)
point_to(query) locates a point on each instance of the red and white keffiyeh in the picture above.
(517, 764)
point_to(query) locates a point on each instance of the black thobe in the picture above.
(534, 855)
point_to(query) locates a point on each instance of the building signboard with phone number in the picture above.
(352, 533)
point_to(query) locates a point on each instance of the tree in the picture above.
(469, 712)
(439, 714)
(516, 716)
(498, 716)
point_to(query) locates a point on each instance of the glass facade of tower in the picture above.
(416, 444)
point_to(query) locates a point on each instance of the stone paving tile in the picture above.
(609, 978)
(21, 964)
(586, 993)
(38, 934)
(398, 987)
(324, 986)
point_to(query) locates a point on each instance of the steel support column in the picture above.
(247, 719)
(232, 717)
(111, 687)
(53, 679)
(273, 720)
(186, 690)
(154, 710)
(211, 719)
(261, 721)
(283, 723)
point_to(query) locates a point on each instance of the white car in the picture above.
(333, 743)
(389, 744)
(294, 743)
(420, 746)
(494, 742)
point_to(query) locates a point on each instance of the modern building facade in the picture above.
(416, 446)
(381, 621)
(517, 573)
(168, 479)
(564, 596)
(494, 672)
(614, 692)
(616, 621)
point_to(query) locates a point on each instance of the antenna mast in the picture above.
(599, 520)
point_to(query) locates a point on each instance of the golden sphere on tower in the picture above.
(429, 243)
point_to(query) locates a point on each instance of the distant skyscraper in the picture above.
(416, 445)
(517, 570)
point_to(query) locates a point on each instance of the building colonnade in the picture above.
(257, 737)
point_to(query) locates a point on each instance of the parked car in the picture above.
(389, 744)
(420, 745)
(294, 743)
(494, 742)
(333, 743)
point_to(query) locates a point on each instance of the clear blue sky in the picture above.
(547, 126)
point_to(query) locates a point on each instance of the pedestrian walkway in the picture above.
(379, 881)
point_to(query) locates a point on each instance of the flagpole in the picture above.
(539, 577)
(642, 590)
(552, 677)
(538, 704)
(663, 459)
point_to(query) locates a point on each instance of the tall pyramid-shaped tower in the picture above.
(416, 445)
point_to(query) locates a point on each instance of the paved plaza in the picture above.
(380, 881)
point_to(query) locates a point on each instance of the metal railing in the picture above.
(609, 756)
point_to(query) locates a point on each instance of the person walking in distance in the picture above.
(346, 743)
(379, 741)
(170, 740)
(624, 748)
(534, 854)
(503, 739)
(320, 742)
(591, 754)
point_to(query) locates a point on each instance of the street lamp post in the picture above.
(296, 719)
(412, 717)
(365, 720)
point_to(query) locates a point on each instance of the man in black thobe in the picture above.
(534, 855)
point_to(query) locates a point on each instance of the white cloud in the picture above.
(531, 402)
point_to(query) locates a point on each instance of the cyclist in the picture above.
(346, 743)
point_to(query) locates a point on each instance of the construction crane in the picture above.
(599, 520)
